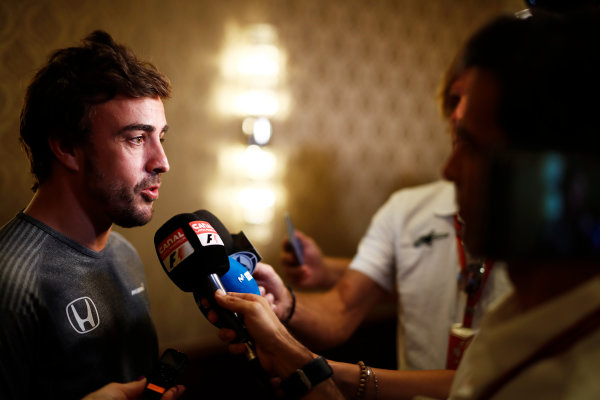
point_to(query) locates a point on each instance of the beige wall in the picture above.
(362, 77)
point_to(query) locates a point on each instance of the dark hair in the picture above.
(485, 47)
(545, 7)
(447, 101)
(59, 98)
(548, 73)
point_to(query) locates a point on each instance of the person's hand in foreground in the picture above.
(273, 289)
(279, 353)
(130, 391)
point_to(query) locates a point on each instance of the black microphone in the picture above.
(243, 258)
(194, 256)
(194, 250)
(237, 245)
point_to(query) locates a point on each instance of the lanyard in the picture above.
(472, 277)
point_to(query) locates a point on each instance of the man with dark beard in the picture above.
(74, 311)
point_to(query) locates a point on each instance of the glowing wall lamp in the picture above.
(257, 204)
(253, 72)
(252, 88)
(258, 130)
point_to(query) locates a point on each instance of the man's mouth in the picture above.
(150, 193)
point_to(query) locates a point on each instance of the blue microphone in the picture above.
(237, 279)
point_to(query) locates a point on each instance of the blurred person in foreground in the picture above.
(73, 304)
(533, 96)
(413, 249)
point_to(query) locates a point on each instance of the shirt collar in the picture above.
(445, 205)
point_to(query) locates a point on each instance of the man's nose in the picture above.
(158, 162)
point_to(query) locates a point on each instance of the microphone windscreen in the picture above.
(236, 244)
(218, 226)
(247, 259)
(237, 279)
(189, 248)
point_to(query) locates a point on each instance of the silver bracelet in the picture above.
(371, 372)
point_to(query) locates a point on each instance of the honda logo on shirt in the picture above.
(83, 315)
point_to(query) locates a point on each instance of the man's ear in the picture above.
(65, 154)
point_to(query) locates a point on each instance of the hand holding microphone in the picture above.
(194, 256)
(296, 369)
(277, 349)
(200, 255)
(243, 258)
(237, 279)
(274, 290)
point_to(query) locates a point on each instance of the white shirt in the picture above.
(508, 336)
(411, 246)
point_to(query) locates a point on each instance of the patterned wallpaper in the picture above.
(362, 76)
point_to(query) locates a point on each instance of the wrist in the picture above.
(288, 353)
(292, 362)
(292, 309)
(366, 376)
(303, 379)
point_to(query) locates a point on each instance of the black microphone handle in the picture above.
(232, 320)
(229, 318)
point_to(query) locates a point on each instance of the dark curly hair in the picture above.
(62, 93)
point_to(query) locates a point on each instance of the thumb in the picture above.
(236, 302)
(133, 390)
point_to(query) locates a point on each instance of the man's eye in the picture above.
(137, 140)
(463, 143)
(453, 102)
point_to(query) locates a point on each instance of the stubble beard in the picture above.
(118, 200)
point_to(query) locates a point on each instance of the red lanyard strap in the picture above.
(462, 258)
(474, 296)
(474, 276)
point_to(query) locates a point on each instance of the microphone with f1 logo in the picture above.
(194, 256)
(237, 245)
(243, 258)
(193, 250)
